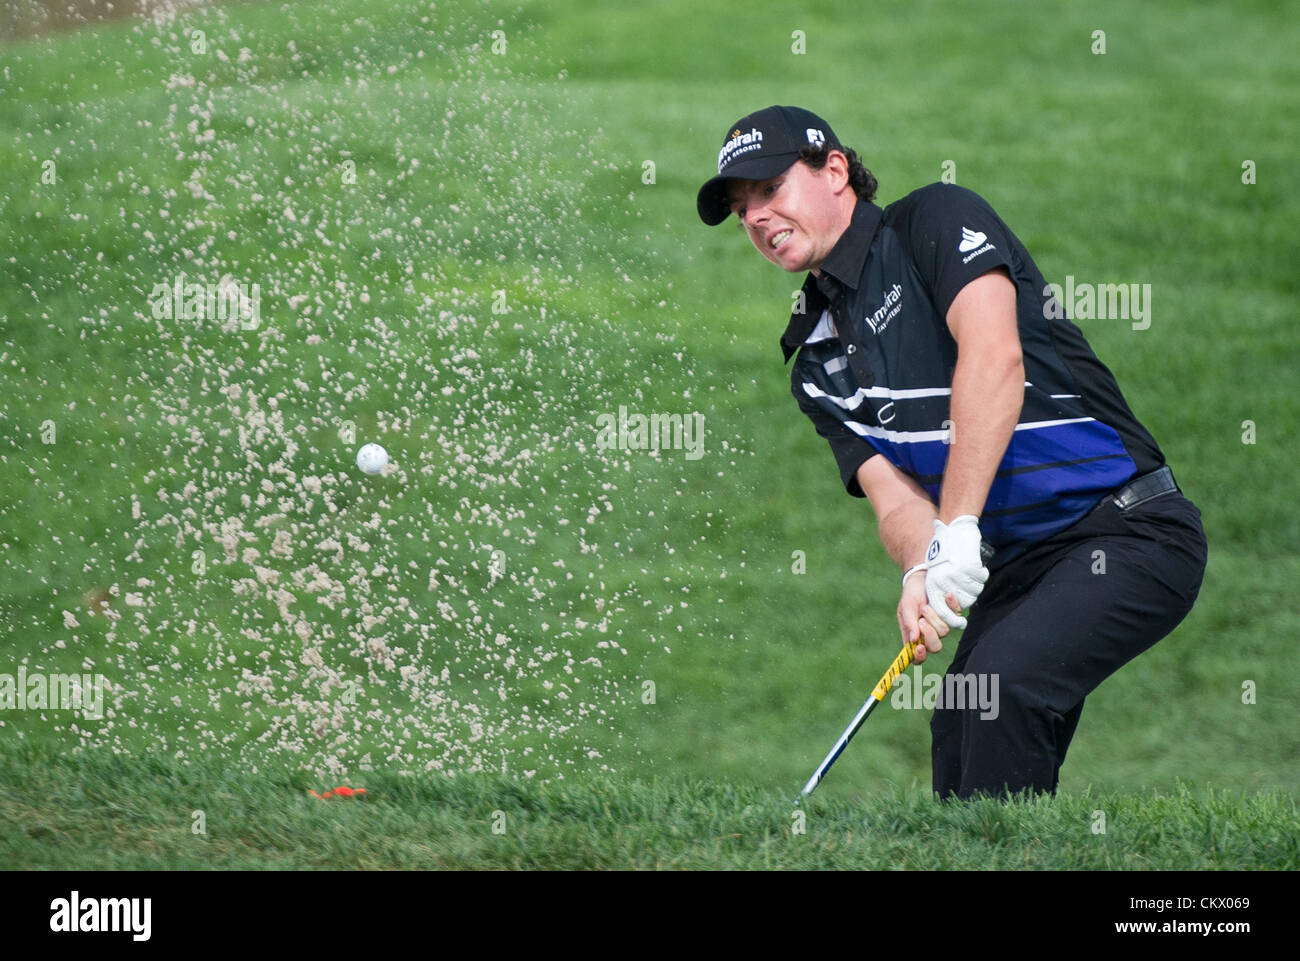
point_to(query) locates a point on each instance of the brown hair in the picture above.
(860, 178)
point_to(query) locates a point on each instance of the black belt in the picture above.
(1144, 488)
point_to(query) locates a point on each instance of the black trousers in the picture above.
(1052, 625)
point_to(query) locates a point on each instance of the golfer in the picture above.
(1008, 476)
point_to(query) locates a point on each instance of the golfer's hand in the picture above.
(918, 621)
(955, 569)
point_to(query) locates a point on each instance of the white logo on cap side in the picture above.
(815, 136)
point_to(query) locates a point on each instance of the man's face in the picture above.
(794, 218)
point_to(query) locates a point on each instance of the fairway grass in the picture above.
(113, 813)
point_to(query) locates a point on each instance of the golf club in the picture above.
(878, 693)
(901, 663)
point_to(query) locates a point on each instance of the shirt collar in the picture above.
(844, 262)
(842, 267)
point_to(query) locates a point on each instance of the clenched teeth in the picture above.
(778, 239)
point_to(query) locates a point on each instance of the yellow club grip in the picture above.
(898, 667)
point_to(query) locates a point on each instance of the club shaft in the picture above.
(877, 695)
(863, 713)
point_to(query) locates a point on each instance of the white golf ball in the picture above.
(372, 458)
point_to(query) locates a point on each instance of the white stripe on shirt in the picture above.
(924, 436)
(812, 390)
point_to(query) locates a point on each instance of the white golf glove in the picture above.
(953, 564)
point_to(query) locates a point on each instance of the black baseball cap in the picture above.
(760, 145)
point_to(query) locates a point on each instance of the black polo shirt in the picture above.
(879, 380)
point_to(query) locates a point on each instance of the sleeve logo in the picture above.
(970, 239)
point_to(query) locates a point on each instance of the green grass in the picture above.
(522, 173)
(110, 813)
